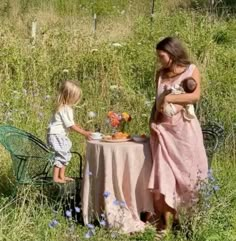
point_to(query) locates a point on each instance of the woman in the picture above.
(179, 157)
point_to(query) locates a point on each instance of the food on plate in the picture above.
(107, 137)
(120, 135)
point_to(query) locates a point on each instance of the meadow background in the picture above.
(115, 66)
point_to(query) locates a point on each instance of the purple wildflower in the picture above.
(89, 173)
(77, 210)
(68, 214)
(90, 226)
(216, 188)
(116, 202)
(103, 223)
(106, 194)
(53, 223)
(122, 203)
(89, 234)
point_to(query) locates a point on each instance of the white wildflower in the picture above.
(65, 71)
(148, 103)
(24, 91)
(47, 97)
(92, 114)
(117, 45)
(113, 87)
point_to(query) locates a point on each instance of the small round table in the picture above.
(115, 183)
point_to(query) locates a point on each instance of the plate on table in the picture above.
(117, 140)
(96, 138)
(139, 138)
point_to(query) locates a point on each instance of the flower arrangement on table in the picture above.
(119, 122)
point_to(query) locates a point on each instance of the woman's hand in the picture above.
(162, 100)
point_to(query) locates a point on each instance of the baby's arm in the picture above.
(81, 131)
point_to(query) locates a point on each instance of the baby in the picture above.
(187, 85)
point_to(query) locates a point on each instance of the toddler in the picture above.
(188, 85)
(61, 123)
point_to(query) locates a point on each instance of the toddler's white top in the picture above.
(61, 121)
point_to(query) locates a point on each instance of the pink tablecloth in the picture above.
(115, 183)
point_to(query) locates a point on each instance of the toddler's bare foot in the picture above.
(69, 179)
(59, 180)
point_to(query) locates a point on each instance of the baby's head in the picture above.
(189, 84)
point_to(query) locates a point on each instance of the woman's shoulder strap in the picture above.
(191, 68)
(158, 76)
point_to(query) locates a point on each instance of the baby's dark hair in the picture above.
(189, 84)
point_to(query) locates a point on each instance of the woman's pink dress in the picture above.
(179, 156)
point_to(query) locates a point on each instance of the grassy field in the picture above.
(115, 67)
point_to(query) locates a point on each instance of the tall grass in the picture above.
(118, 77)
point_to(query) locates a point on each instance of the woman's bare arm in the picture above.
(190, 98)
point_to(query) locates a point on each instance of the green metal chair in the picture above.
(213, 136)
(33, 159)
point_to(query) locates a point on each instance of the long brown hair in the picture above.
(175, 49)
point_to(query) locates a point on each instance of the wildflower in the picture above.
(90, 226)
(68, 214)
(103, 223)
(91, 114)
(122, 203)
(148, 103)
(40, 114)
(126, 117)
(117, 45)
(89, 173)
(106, 194)
(113, 87)
(77, 210)
(8, 114)
(24, 91)
(114, 234)
(89, 234)
(53, 223)
(47, 97)
(210, 175)
(116, 202)
(216, 188)
(65, 71)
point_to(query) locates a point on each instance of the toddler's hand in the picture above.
(88, 135)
